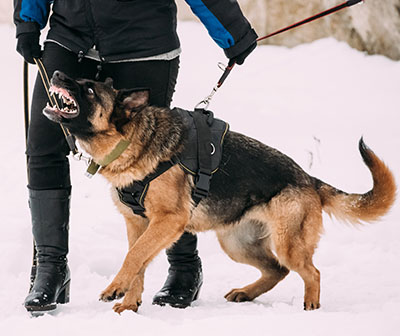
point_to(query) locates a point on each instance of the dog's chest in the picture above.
(201, 158)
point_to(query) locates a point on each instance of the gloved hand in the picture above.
(239, 59)
(28, 46)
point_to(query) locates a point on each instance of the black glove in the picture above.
(28, 46)
(239, 59)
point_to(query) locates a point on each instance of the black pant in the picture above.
(47, 150)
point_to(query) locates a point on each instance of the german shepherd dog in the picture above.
(259, 201)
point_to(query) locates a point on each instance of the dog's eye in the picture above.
(90, 92)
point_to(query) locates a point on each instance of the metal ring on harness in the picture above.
(212, 148)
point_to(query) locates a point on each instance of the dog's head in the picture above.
(90, 107)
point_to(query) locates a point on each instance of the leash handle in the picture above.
(226, 73)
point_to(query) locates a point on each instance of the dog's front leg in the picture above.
(161, 233)
(135, 226)
(133, 297)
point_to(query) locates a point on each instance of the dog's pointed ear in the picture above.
(133, 99)
(128, 103)
(109, 82)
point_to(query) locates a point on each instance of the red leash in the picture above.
(312, 18)
(229, 68)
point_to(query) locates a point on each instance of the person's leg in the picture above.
(157, 76)
(185, 274)
(49, 190)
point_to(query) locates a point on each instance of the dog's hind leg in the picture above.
(296, 223)
(272, 273)
(246, 243)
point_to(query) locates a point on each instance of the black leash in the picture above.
(26, 99)
(26, 124)
(227, 70)
(55, 102)
(312, 18)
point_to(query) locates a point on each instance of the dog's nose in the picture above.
(58, 74)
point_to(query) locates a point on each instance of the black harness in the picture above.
(201, 158)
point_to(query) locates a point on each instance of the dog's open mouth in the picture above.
(69, 110)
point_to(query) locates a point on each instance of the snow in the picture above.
(312, 102)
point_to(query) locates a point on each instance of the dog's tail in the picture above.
(368, 207)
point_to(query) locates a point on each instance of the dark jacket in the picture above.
(125, 29)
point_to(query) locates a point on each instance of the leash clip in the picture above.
(92, 169)
(206, 101)
(226, 69)
(80, 157)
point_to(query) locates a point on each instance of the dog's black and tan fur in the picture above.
(260, 200)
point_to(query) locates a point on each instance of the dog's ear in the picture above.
(109, 82)
(128, 102)
(134, 99)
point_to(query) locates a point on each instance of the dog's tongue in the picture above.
(52, 113)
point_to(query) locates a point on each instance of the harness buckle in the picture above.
(202, 185)
(132, 197)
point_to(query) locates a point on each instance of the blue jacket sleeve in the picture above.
(225, 23)
(31, 15)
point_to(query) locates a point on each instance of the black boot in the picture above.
(50, 217)
(185, 276)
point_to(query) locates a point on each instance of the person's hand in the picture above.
(239, 59)
(28, 46)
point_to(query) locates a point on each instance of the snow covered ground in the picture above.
(312, 102)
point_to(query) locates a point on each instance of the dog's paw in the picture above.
(120, 307)
(311, 305)
(112, 292)
(237, 295)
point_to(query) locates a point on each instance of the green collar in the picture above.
(115, 153)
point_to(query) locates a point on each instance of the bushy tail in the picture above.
(368, 207)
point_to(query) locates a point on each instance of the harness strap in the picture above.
(133, 195)
(203, 120)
